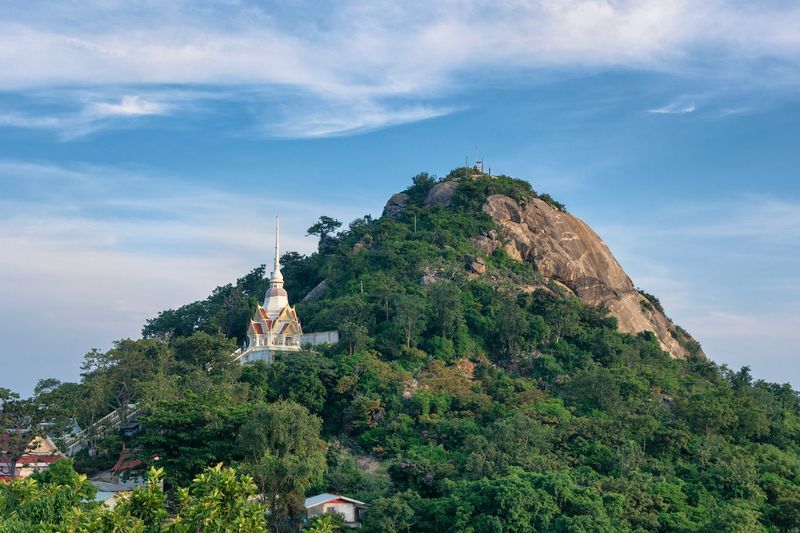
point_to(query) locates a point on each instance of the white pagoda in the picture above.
(274, 327)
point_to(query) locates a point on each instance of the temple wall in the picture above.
(319, 337)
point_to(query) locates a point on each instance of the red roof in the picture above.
(263, 313)
(29, 459)
(284, 327)
(258, 328)
(125, 462)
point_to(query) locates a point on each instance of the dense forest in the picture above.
(453, 402)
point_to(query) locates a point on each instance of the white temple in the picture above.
(275, 328)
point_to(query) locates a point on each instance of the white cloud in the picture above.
(92, 115)
(674, 108)
(392, 58)
(349, 118)
(100, 208)
(129, 106)
(89, 253)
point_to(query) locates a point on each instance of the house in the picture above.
(42, 451)
(116, 484)
(110, 498)
(326, 503)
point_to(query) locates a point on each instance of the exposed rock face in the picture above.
(478, 266)
(442, 194)
(317, 292)
(395, 205)
(564, 249)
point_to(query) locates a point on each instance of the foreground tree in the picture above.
(219, 500)
(284, 455)
(45, 501)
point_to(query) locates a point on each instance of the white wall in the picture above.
(347, 510)
(320, 337)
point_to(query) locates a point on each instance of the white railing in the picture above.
(112, 421)
(237, 354)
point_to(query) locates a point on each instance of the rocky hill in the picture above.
(480, 383)
(564, 250)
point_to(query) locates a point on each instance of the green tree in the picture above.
(187, 434)
(511, 327)
(219, 501)
(62, 472)
(19, 426)
(446, 308)
(394, 514)
(324, 524)
(324, 226)
(146, 505)
(45, 501)
(119, 372)
(709, 410)
(303, 378)
(211, 353)
(410, 314)
(284, 454)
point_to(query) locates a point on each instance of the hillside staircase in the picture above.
(73, 444)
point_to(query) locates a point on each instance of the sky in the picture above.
(146, 147)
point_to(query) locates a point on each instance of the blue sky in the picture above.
(145, 148)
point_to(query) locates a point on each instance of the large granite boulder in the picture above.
(443, 193)
(317, 292)
(563, 248)
(395, 205)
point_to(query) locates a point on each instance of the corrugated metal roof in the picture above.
(319, 499)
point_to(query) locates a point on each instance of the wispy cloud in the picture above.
(102, 208)
(90, 117)
(129, 106)
(674, 108)
(98, 250)
(395, 59)
(349, 118)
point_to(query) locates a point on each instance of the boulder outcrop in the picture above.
(564, 249)
(317, 292)
(443, 193)
(395, 205)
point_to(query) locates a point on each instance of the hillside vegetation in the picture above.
(453, 402)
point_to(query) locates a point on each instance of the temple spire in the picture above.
(276, 280)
